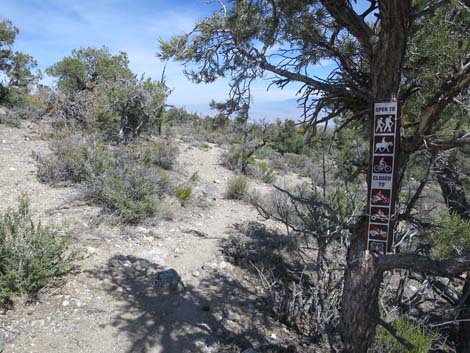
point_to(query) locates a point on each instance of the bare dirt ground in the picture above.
(111, 304)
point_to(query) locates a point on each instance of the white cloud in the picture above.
(50, 29)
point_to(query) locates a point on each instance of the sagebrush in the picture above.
(33, 256)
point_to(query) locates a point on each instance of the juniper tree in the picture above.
(415, 52)
(16, 68)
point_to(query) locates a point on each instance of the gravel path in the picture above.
(111, 304)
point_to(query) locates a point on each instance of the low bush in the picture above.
(417, 335)
(160, 153)
(114, 177)
(237, 159)
(131, 193)
(10, 118)
(453, 236)
(74, 158)
(263, 170)
(183, 193)
(32, 256)
(237, 188)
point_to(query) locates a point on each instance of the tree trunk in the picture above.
(360, 296)
(463, 334)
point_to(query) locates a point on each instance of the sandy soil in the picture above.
(111, 304)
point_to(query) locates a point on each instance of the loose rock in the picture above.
(168, 281)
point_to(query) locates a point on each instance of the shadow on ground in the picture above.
(218, 316)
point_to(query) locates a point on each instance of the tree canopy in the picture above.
(16, 68)
(415, 52)
(87, 67)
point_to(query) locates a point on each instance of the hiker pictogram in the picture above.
(385, 124)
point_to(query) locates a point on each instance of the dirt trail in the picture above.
(112, 304)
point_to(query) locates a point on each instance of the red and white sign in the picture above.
(384, 144)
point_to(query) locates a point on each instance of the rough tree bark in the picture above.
(363, 279)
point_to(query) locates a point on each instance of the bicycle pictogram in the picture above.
(382, 167)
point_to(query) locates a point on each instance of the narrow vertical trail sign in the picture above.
(383, 165)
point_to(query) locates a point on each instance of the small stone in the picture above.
(91, 250)
(223, 265)
(37, 323)
(196, 274)
(250, 350)
(143, 230)
(11, 168)
(65, 303)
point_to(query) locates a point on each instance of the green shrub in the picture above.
(183, 193)
(32, 256)
(238, 247)
(75, 159)
(9, 118)
(264, 171)
(237, 188)
(161, 153)
(131, 193)
(113, 176)
(195, 177)
(236, 159)
(453, 236)
(417, 335)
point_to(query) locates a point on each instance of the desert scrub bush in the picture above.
(272, 259)
(132, 193)
(453, 236)
(114, 177)
(32, 256)
(9, 118)
(237, 188)
(183, 193)
(161, 153)
(298, 163)
(74, 158)
(417, 335)
(263, 170)
(237, 159)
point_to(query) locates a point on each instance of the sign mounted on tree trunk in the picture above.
(381, 205)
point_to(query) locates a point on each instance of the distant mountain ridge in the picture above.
(268, 110)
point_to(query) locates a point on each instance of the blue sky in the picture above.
(50, 29)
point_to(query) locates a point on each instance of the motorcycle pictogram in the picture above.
(379, 198)
(379, 216)
(376, 232)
